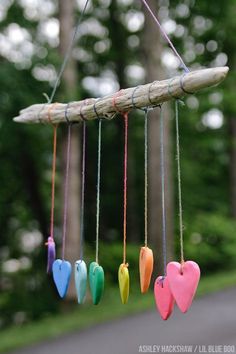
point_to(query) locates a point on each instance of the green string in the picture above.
(98, 186)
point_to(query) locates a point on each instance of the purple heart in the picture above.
(51, 254)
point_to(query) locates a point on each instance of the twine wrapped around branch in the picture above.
(150, 95)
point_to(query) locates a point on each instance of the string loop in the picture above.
(49, 113)
(149, 94)
(66, 114)
(132, 97)
(182, 85)
(81, 107)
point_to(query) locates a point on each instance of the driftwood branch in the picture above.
(145, 95)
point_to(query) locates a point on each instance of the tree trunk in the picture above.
(69, 85)
(152, 50)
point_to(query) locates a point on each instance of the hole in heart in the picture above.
(95, 269)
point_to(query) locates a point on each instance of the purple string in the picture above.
(166, 37)
(66, 191)
(82, 193)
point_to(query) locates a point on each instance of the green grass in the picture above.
(110, 308)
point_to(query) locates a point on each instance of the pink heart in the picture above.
(183, 281)
(163, 297)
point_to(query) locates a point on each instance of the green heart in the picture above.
(96, 281)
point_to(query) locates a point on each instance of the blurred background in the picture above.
(117, 46)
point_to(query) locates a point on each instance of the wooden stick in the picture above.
(145, 95)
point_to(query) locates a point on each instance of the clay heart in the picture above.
(163, 297)
(183, 280)
(61, 275)
(51, 253)
(96, 281)
(145, 268)
(123, 277)
(80, 280)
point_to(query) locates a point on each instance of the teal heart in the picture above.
(80, 280)
(61, 271)
(96, 281)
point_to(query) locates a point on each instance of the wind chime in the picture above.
(179, 280)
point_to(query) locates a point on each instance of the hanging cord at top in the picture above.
(181, 227)
(166, 36)
(68, 53)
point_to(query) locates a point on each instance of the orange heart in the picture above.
(145, 268)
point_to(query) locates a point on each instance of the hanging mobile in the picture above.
(163, 295)
(146, 255)
(80, 266)
(123, 272)
(61, 268)
(184, 276)
(50, 241)
(96, 273)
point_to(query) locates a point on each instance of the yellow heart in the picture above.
(123, 276)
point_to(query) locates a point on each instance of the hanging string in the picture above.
(125, 115)
(66, 191)
(183, 65)
(146, 177)
(53, 180)
(98, 186)
(163, 189)
(68, 53)
(82, 193)
(179, 181)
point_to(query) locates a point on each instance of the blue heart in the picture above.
(61, 271)
(80, 280)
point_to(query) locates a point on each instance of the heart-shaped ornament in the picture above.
(145, 268)
(80, 280)
(183, 280)
(96, 281)
(163, 297)
(61, 271)
(51, 254)
(123, 277)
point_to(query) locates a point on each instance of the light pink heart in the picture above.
(163, 297)
(183, 281)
